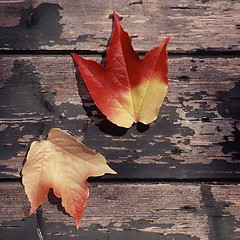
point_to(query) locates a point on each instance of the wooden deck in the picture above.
(179, 177)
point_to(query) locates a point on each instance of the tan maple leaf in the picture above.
(63, 164)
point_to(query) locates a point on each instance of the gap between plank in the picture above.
(197, 53)
(145, 180)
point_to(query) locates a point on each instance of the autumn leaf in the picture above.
(63, 164)
(129, 89)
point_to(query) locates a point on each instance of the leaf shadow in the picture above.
(141, 127)
(23, 163)
(56, 201)
(94, 113)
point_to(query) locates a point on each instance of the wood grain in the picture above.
(178, 178)
(85, 25)
(187, 211)
(195, 136)
(147, 211)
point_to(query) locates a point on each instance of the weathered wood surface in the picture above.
(85, 25)
(196, 135)
(129, 211)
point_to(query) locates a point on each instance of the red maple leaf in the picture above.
(129, 89)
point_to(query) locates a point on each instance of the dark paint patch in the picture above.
(176, 151)
(38, 27)
(22, 92)
(222, 224)
(228, 103)
(128, 146)
(123, 144)
(198, 95)
(143, 223)
(180, 8)
(19, 229)
(147, 141)
(206, 119)
(188, 208)
(184, 78)
(33, 18)
(119, 17)
(218, 170)
(218, 129)
(232, 146)
(205, 112)
(12, 135)
(228, 106)
(22, 97)
(194, 68)
(124, 148)
(23, 100)
(6, 172)
(58, 230)
(135, 3)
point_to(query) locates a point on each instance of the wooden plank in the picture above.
(130, 211)
(58, 25)
(196, 135)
